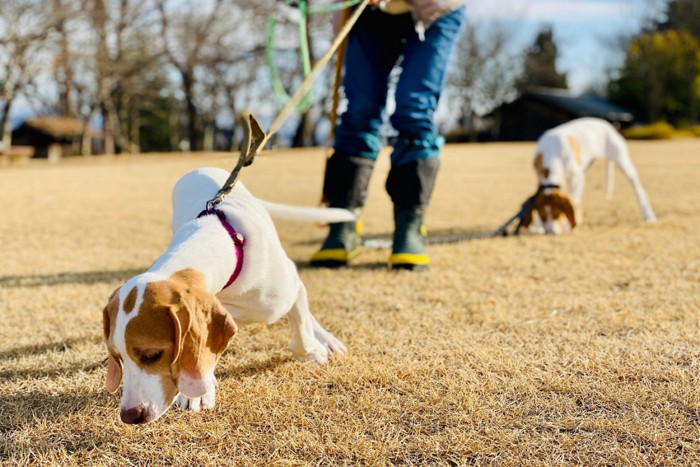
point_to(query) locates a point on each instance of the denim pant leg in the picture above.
(418, 90)
(374, 46)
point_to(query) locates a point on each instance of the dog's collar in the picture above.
(238, 241)
(547, 186)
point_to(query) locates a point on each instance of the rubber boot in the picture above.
(408, 250)
(345, 186)
(410, 187)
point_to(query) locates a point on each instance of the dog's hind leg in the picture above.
(609, 179)
(619, 154)
(304, 344)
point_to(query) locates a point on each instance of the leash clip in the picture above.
(212, 204)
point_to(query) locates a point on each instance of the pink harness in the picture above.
(238, 242)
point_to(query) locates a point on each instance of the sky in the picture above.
(584, 30)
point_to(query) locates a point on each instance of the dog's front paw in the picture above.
(329, 341)
(196, 404)
(319, 355)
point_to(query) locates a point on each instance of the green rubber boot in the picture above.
(408, 251)
(410, 187)
(345, 186)
(340, 246)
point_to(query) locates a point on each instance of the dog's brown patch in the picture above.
(130, 300)
(542, 171)
(575, 145)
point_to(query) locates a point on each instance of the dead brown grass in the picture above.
(582, 349)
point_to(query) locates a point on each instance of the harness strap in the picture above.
(238, 241)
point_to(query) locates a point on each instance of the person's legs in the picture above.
(374, 46)
(414, 161)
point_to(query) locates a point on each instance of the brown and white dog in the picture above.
(562, 156)
(166, 328)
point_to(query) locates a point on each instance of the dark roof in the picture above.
(585, 105)
(56, 126)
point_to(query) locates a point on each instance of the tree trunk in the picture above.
(109, 147)
(135, 132)
(5, 129)
(65, 97)
(190, 110)
(174, 124)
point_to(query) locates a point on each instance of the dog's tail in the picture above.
(302, 213)
(610, 179)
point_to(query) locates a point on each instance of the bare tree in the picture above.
(26, 29)
(124, 54)
(483, 73)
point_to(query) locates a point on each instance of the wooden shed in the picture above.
(51, 136)
(534, 112)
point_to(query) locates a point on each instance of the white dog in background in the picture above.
(166, 328)
(563, 155)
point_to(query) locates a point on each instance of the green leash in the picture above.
(304, 12)
(255, 137)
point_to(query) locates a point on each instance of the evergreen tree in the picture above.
(682, 15)
(540, 64)
(660, 78)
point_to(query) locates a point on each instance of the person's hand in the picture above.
(336, 17)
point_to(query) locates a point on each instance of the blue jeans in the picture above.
(375, 45)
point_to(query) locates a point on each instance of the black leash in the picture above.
(253, 140)
(524, 210)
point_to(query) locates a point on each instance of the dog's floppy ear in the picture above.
(181, 323)
(114, 374)
(114, 365)
(203, 329)
(222, 328)
(566, 206)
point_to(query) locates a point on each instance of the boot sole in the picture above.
(333, 258)
(329, 264)
(409, 261)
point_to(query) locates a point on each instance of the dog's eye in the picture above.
(150, 357)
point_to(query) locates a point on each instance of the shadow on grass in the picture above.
(25, 408)
(62, 278)
(355, 266)
(44, 415)
(33, 374)
(60, 347)
(435, 237)
(38, 349)
(231, 370)
(383, 241)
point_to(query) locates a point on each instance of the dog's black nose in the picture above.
(136, 415)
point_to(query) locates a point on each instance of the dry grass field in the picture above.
(531, 350)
